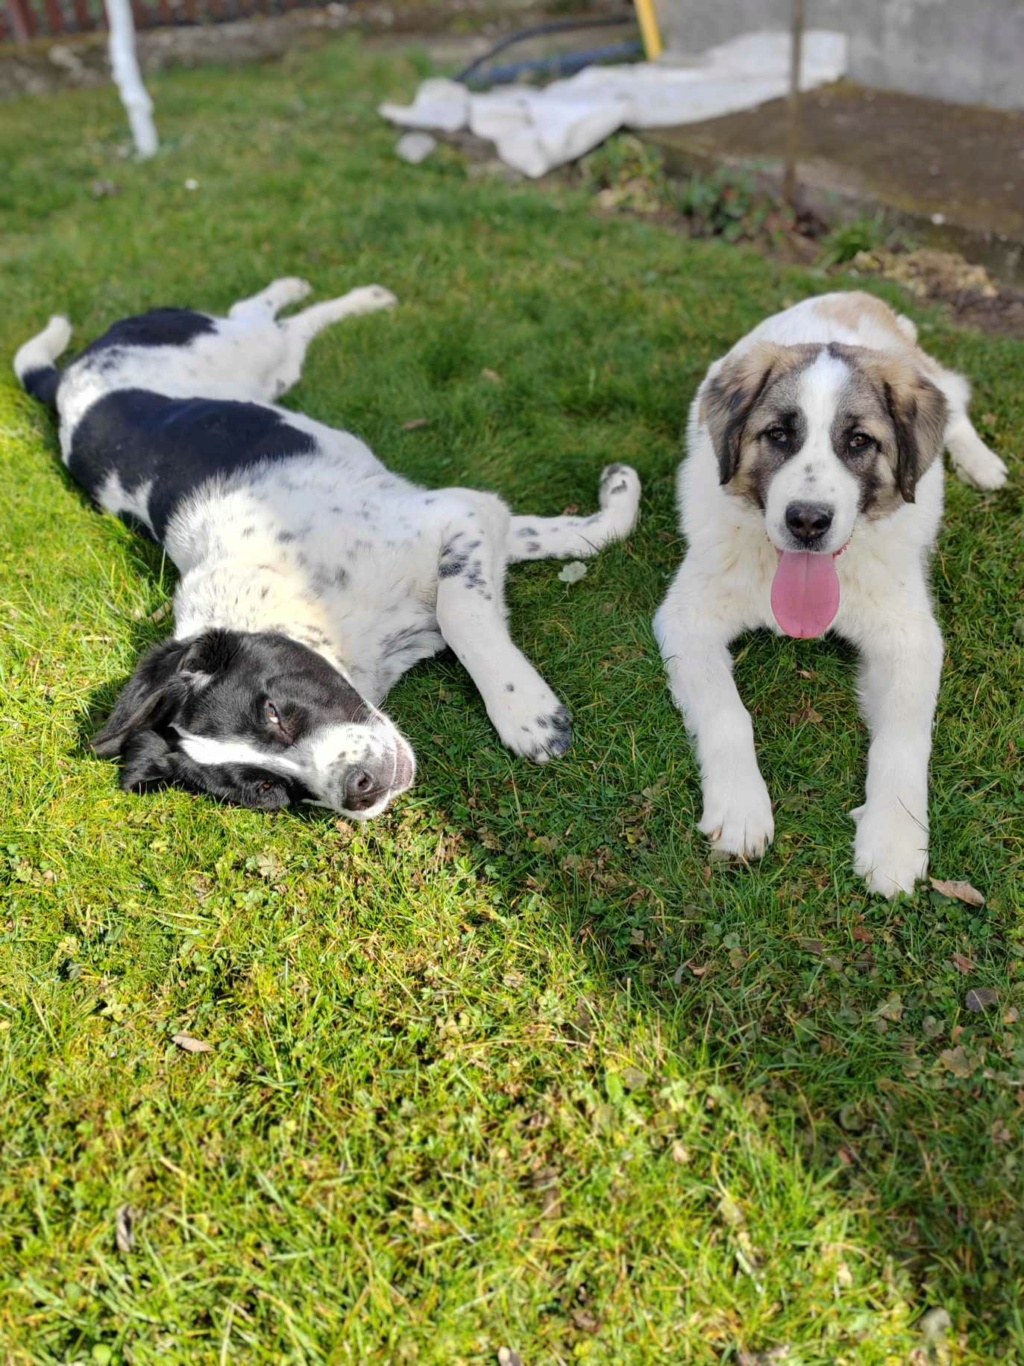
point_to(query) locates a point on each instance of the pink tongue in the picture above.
(805, 593)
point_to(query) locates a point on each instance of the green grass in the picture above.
(516, 1065)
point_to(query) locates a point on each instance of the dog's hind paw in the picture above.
(619, 482)
(370, 298)
(981, 467)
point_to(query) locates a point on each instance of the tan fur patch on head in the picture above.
(851, 309)
(915, 413)
(733, 397)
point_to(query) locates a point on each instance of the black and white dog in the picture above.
(311, 576)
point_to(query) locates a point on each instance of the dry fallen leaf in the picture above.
(124, 1230)
(269, 866)
(808, 715)
(851, 1119)
(573, 572)
(959, 891)
(981, 997)
(962, 963)
(492, 375)
(508, 1357)
(633, 1079)
(892, 1009)
(415, 423)
(191, 1045)
(730, 1213)
(957, 1060)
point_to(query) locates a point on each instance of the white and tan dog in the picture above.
(811, 497)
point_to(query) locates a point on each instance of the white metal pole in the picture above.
(127, 77)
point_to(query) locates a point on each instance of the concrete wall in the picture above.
(966, 51)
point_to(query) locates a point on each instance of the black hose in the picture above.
(540, 31)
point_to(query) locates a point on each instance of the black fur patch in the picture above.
(177, 444)
(42, 383)
(159, 327)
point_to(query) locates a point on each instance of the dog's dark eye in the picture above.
(272, 715)
(266, 787)
(778, 436)
(859, 442)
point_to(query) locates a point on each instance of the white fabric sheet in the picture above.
(536, 130)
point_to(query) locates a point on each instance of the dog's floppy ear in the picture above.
(147, 762)
(918, 412)
(729, 399)
(162, 681)
(154, 689)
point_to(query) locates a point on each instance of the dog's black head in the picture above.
(255, 719)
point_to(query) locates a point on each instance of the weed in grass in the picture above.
(729, 203)
(869, 233)
(516, 1065)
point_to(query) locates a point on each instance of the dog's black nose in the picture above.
(808, 521)
(361, 789)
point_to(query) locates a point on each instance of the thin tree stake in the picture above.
(789, 181)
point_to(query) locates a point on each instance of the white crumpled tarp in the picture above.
(536, 130)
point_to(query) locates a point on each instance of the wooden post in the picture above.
(22, 23)
(790, 189)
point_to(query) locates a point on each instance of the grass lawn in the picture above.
(515, 1065)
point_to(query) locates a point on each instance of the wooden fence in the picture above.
(23, 20)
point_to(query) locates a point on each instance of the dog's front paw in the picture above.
(890, 849)
(531, 721)
(290, 289)
(738, 817)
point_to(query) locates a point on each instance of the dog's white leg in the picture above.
(471, 615)
(901, 660)
(300, 329)
(693, 628)
(269, 302)
(545, 538)
(971, 458)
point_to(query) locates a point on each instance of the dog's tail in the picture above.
(556, 538)
(34, 363)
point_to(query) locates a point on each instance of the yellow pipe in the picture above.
(649, 30)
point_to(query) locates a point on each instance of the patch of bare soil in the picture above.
(962, 162)
(945, 277)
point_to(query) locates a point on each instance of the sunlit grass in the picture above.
(516, 1065)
